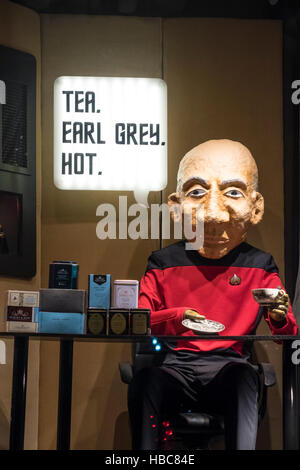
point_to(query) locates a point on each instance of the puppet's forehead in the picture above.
(224, 172)
(219, 161)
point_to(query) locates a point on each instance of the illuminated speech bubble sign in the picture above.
(110, 133)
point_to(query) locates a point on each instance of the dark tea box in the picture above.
(96, 323)
(63, 275)
(118, 321)
(139, 321)
(21, 314)
(62, 300)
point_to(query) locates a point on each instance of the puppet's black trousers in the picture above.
(233, 393)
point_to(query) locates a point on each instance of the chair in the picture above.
(191, 429)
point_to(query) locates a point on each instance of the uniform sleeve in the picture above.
(272, 280)
(164, 321)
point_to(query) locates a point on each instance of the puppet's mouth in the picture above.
(215, 239)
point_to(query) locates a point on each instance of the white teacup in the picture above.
(267, 296)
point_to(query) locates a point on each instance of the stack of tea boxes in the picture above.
(22, 311)
(64, 309)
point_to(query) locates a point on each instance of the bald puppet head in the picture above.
(220, 177)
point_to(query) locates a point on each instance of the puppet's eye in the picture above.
(234, 193)
(196, 193)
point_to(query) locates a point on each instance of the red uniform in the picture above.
(177, 279)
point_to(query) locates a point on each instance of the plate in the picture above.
(204, 326)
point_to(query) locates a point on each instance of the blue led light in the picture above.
(158, 347)
(154, 341)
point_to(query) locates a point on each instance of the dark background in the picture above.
(165, 8)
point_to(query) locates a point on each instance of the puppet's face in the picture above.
(220, 175)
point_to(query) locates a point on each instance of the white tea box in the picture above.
(22, 298)
(31, 299)
(126, 293)
(14, 298)
(22, 327)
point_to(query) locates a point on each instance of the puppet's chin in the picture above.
(219, 249)
(214, 252)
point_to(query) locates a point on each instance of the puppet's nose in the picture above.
(215, 211)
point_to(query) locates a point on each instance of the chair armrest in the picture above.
(126, 372)
(268, 371)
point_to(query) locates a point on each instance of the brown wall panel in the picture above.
(95, 46)
(224, 80)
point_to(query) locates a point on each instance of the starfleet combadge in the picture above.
(235, 280)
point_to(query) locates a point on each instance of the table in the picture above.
(290, 379)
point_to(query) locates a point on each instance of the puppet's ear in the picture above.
(258, 209)
(173, 199)
(174, 206)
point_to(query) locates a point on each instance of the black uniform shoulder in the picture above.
(169, 256)
(252, 257)
(244, 255)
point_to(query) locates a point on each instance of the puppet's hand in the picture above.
(192, 315)
(279, 312)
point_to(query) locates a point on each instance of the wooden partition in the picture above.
(20, 29)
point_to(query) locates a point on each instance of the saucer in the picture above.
(204, 326)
